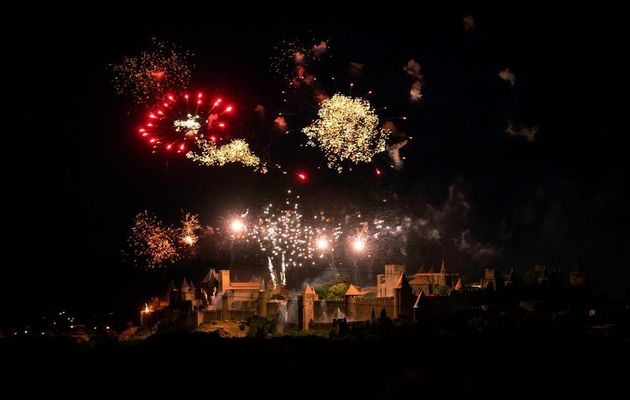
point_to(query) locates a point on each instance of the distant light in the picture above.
(378, 172)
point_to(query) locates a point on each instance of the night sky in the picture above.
(77, 173)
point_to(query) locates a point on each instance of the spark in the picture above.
(189, 229)
(282, 233)
(346, 129)
(153, 243)
(302, 176)
(236, 151)
(148, 76)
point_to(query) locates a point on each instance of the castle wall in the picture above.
(325, 310)
(360, 308)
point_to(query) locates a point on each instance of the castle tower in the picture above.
(386, 283)
(442, 277)
(189, 295)
(403, 299)
(306, 308)
(489, 278)
(224, 280)
(352, 295)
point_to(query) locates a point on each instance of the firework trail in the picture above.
(283, 272)
(271, 272)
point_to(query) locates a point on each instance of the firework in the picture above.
(346, 129)
(272, 273)
(237, 226)
(186, 121)
(236, 151)
(154, 244)
(282, 234)
(188, 231)
(148, 76)
(358, 244)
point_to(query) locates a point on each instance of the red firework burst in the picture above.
(180, 122)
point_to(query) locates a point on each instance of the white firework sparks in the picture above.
(347, 128)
